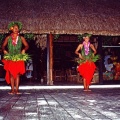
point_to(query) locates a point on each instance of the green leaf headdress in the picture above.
(86, 35)
(12, 24)
(80, 36)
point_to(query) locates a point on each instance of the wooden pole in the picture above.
(50, 59)
(100, 61)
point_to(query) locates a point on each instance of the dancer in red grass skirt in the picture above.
(14, 56)
(87, 58)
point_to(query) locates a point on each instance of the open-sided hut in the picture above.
(99, 17)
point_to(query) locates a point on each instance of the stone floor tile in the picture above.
(100, 104)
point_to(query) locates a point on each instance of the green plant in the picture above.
(56, 36)
(2, 36)
(80, 38)
(29, 36)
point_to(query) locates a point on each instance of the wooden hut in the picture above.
(99, 17)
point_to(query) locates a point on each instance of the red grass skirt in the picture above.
(14, 68)
(87, 70)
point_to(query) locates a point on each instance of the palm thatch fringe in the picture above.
(62, 16)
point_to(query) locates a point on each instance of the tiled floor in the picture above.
(61, 104)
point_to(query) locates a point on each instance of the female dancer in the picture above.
(87, 66)
(14, 56)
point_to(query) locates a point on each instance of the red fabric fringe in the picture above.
(87, 70)
(14, 68)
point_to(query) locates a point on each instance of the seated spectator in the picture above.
(107, 55)
(29, 69)
(109, 66)
(108, 75)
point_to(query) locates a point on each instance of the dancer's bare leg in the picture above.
(12, 84)
(88, 89)
(17, 81)
(84, 83)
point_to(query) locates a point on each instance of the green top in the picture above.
(14, 49)
(90, 57)
(86, 57)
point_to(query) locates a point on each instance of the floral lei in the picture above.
(14, 40)
(86, 46)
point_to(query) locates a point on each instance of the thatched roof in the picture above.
(100, 17)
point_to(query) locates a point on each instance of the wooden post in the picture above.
(100, 61)
(50, 59)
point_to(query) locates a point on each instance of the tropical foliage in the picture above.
(18, 57)
(93, 58)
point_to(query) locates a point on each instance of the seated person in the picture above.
(108, 75)
(107, 56)
(109, 66)
(29, 69)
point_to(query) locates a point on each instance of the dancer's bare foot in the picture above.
(18, 93)
(88, 90)
(11, 93)
(85, 90)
